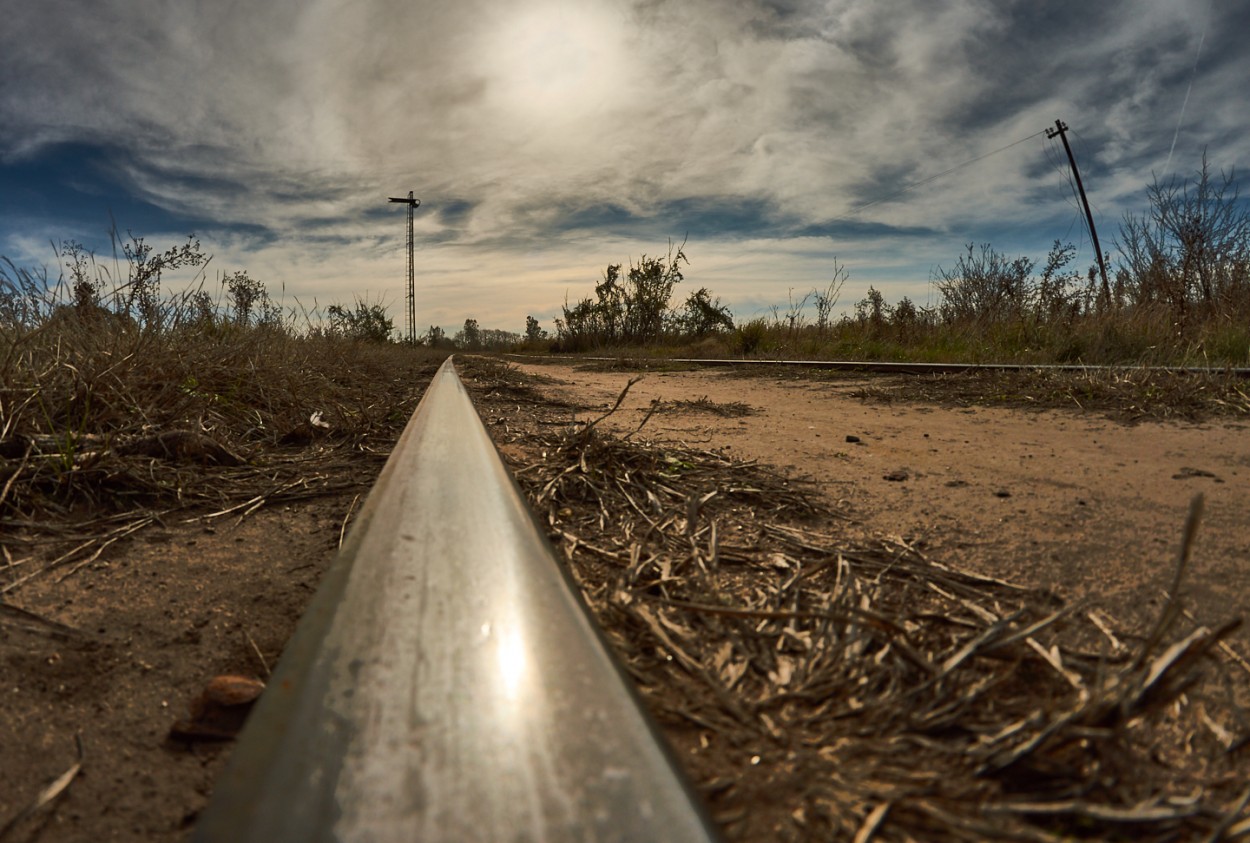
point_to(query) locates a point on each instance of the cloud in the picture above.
(547, 138)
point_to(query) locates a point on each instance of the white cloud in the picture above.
(298, 117)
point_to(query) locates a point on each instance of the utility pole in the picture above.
(1060, 130)
(412, 290)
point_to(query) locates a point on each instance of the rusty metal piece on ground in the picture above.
(446, 683)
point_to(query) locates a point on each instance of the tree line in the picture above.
(631, 306)
(1181, 281)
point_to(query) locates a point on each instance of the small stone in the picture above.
(1187, 472)
(217, 714)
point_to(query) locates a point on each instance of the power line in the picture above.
(1073, 200)
(1084, 147)
(1052, 157)
(936, 176)
(1060, 131)
(1076, 217)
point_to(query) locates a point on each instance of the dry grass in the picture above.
(106, 428)
(821, 689)
(1127, 395)
(725, 409)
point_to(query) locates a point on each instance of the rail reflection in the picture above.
(446, 683)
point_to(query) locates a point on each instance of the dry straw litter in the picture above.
(820, 689)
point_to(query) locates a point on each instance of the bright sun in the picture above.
(557, 60)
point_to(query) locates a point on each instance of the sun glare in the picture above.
(557, 60)
(512, 663)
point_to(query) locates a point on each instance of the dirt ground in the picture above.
(115, 652)
(145, 628)
(1064, 500)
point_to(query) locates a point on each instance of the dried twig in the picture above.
(892, 679)
(4, 493)
(1171, 609)
(347, 519)
(620, 399)
(17, 616)
(49, 793)
(259, 655)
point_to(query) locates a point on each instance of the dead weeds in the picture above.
(1124, 395)
(817, 688)
(109, 431)
(725, 409)
(166, 509)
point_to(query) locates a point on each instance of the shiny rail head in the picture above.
(446, 683)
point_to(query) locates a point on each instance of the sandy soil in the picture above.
(1060, 499)
(1069, 501)
(153, 621)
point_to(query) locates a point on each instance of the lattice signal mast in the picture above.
(412, 290)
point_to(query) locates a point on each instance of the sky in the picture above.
(547, 139)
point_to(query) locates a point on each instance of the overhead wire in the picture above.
(1086, 155)
(1065, 170)
(938, 175)
(1052, 157)
(1076, 218)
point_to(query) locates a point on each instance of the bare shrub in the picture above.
(750, 336)
(648, 290)
(794, 320)
(1192, 248)
(249, 299)
(631, 308)
(85, 285)
(534, 332)
(827, 299)
(702, 315)
(141, 294)
(984, 287)
(871, 311)
(363, 321)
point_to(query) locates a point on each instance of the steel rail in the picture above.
(447, 683)
(895, 368)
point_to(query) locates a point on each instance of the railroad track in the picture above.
(447, 683)
(895, 368)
